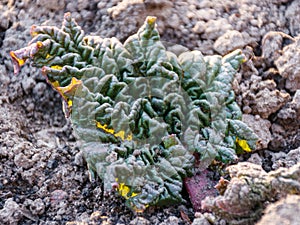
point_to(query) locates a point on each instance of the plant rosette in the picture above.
(141, 113)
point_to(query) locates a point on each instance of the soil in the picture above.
(43, 177)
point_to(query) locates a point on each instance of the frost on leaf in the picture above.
(140, 112)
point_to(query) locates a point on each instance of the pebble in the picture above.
(28, 83)
(52, 5)
(39, 89)
(229, 41)
(11, 212)
(22, 161)
(199, 27)
(37, 207)
(139, 221)
(78, 161)
(200, 221)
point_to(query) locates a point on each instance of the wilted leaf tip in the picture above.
(20, 56)
(70, 89)
(17, 62)
(243, 144)
(33, 33)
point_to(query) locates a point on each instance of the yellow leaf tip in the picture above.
(151, 20)
(243, 144)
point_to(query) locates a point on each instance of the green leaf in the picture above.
(140, 112)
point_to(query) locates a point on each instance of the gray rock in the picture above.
(278, 141)
(199, 27)
(293, 14)
(207, 14)
(296, 99)
(272, 45)
(172, 220)
(290, 114)
(256, 159)
(285, 211)
(23, 161)
(281, 159)
(52, 5)
(10, 213)
(28, 84)
(267, 102)
(230, 41)
(79, 159)
(139, 221)
(216, 28)
(288, 65)
(37, 207)
(200, 219)
(4, 78)
(262, 129)
(249, 190)
(39, 89)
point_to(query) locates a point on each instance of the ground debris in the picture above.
(285, 211)
(250, 188)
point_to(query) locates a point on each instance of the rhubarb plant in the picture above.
(142, 115)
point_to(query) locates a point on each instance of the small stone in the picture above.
(293, 157)
(278, 141)
(296, 99)
(37, 207)
(82, 4)
(78, 161)
(174, 21)
(139, 221)
(58, 196)
(71, 7)
(292, 12)
(22, 161)
(199, 27)
(30, 107)
(247, 109)
(39, 89)
(271, 46)
(256, 159)
(52, 164)
(101, 5)
(200, 221)
(216, 28)
(52, 5)
(229, 41)
(285, 211)
(207, 14)
(172, 220)
(11, 212)
(261, 127)
(288, 65)
(198, 215)
(28, 84)
(4, 78)
(267, 102)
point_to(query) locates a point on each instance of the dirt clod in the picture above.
(283, 210)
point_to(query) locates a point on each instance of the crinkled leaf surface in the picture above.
(140, 112)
